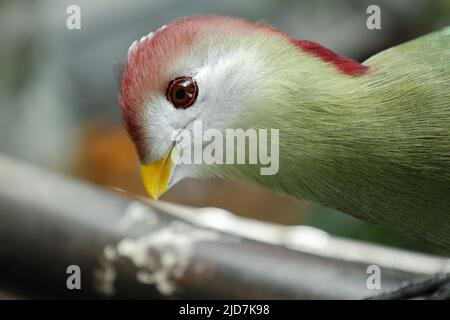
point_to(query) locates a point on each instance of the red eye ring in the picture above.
(182, 92)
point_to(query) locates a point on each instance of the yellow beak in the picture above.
(156, 176)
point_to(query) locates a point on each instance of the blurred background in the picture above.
(58, 89)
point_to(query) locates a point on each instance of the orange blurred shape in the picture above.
(106, 156)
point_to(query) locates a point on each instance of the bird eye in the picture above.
(182, 92)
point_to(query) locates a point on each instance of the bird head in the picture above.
(218, 70)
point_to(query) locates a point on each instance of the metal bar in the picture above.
(130, 248)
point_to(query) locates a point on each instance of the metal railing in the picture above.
(129, 247)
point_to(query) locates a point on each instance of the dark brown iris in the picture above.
(182, 92)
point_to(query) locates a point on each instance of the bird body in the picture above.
(371, 140)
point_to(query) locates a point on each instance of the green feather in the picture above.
(375, 146)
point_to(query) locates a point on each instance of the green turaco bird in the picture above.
(371, 140)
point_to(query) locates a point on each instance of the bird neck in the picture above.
(324, 129)
(356, 144)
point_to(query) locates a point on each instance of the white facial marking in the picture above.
(226, 78)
